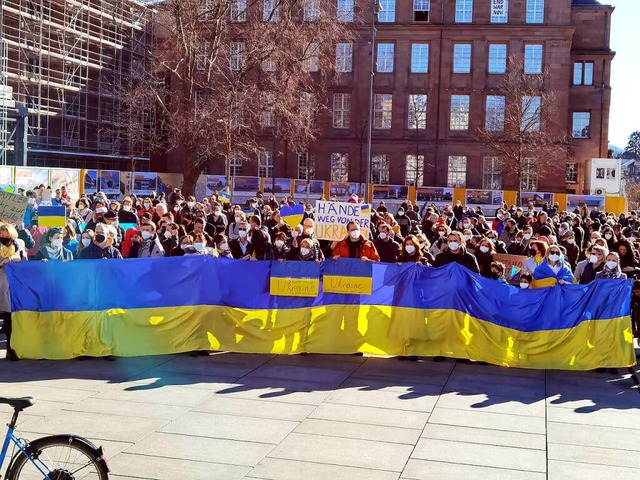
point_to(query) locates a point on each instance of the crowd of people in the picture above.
(561, 246)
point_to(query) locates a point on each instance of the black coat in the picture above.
(463, 258)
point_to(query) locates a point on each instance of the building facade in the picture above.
(438, 68)
(67, 62)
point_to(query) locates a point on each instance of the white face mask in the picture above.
(249, 239)
(216, 213)
(167, 234)
(184, 246)
(238, 219)
(191, 204)
(308, 231)
(279, 243)
(608, 236)
(176, 208)
(454, 246)
(198, 246)
(500, 217)
(554, 257)
(86, 242)
(611, 265)
(355, 234)
(527, 236)
(484, 249)
(146, 235)
(101, 210)
(56, 242)
(466, 225)
(410, 249)
(147, 204)
(382, 236)
(224, 246)
(442, 234)
(524, 285)
(242, 233)
(593, 259)
(632, 239)
(305, 251)
(571, 241)
(126, 208)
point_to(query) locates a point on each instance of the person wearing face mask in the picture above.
(498, 246)
(149, 244)
(170, 238)
(573, 252)
(484, 254)
(521, 244)
(439, 240)
(240, 247)
(306, 252)
(185, 245)
(537, 251)
(217, 220)
(102, 246)
(131, 236)
(146, 207)
(281, 251)
(354, 245)
(111, 218)
(467, 224)
(199, 246)
(404, 223)
(233, 226)
(411, 252)
(308, 212)
(126, 213)
(9, 252)
(307, 230)
(586, 270)
(82, 207)
(498, 222)
(86, 239)
(525, 280)
(52, 249)
(222, 246)
(553, 270)
(497, 272)
(610, 237)
(98, 215)
(456, 252)
(388, 249)
(520, 218)
(611, 270)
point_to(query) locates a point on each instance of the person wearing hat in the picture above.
(111, 218)
(51, 247)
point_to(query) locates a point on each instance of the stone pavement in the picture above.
(232, 416)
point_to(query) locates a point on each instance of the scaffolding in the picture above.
(67, 62)
(5, 98)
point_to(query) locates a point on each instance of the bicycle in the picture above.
(57, 457)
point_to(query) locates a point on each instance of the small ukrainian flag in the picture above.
(224, 197)
(365, 209)
(52, 216)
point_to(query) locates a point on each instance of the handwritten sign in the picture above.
(512, 263)
(332, 219)
(295, 279)
(351, 277)
(12, 207)
(498, 8)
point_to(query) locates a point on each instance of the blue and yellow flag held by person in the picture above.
(295, 279)
(54, 216)
(347, 277)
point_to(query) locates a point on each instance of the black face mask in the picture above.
(100, 238)
(532, 252)
(495, 276)
(6, 241)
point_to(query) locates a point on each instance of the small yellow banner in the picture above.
(294, 287)
(347, 285)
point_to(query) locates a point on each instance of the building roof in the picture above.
(587, 3)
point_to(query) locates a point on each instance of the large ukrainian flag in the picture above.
(158, 306)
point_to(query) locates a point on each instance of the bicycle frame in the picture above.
(9, 438)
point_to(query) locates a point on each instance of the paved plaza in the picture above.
(232, 416)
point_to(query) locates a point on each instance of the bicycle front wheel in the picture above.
(63, 457)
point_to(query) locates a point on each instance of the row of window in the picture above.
(492, 170)
(499, 11)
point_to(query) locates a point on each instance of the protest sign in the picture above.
(332, 219)
(294, 279)
(12, 207)
(512, 263)
(349, 278)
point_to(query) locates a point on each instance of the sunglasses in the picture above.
(242, 229)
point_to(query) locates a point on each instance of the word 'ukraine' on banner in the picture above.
(332, 219)
(412, 310)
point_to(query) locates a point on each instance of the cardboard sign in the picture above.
(12, 207)
(294, 279)
(347, 276)
(332, 219)
(510, 261)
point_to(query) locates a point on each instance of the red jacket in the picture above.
(367, 249)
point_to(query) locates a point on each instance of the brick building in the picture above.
(438, 64)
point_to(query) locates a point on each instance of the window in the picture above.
(235, 165)
(529, 178)
(385, 58)
(271, 11)
(414, 170)
(311, 11)
(238, 11)
(307, 107)
(421, 10)
(499, 11)
(417, 112)
(306, 166)
(269, 65)
(380, 169)
(340, 167)
(581, 123)
(341, 110)
(497, 58)
(583, 73)
(535, 11)
(571, 173)
(491, 173)
(265, 164)
(419, 57)
(457, 172)
(532, 59)
(204, 11)
(267, 116)
(387, 11)
(344, 57)
(382, 111)
(236, 56)
(345, 11)
(494, 115)
(459, 119)
(462, 58)
(530, 114)
(311, 58)
(464, 11)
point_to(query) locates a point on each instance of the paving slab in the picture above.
(594, 455)
(485, 436)
(427, 470)
(281, 469)
(379, 433)
(255, 408)
(559, 470)
(491, 421)
(370, 415)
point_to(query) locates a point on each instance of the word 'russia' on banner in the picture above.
(332, 219)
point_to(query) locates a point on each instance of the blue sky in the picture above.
(625, 74)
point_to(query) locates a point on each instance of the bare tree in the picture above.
(524, 128)
(231, 64)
